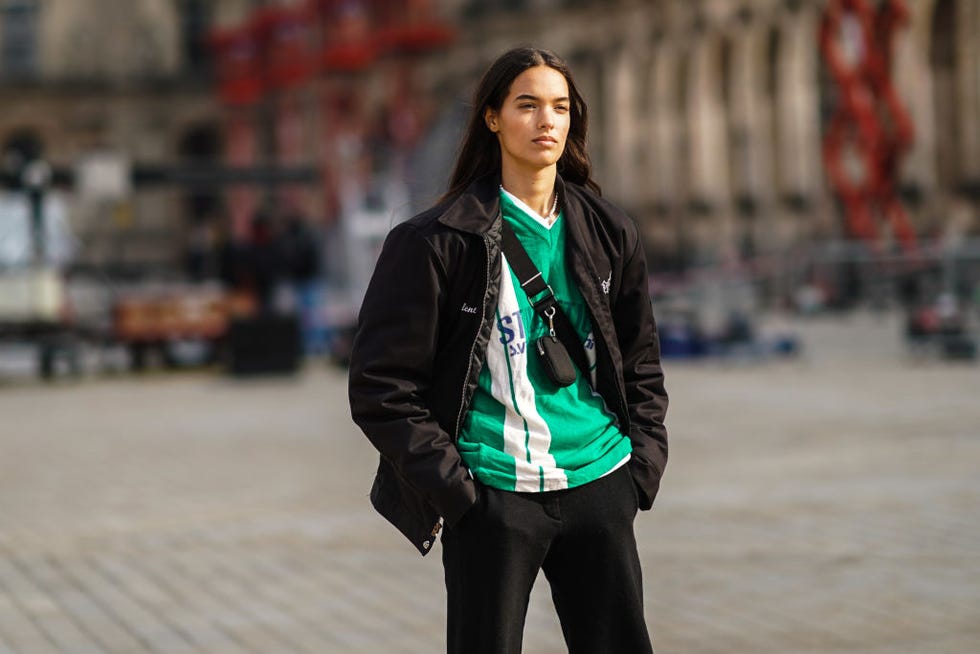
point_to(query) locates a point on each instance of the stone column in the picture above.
(795, 129)
(668, 138)
(588, 78)
(620, 126)
(798, 98)
(748, 136)
(913, 81)
(707, 125)
(968, 88)
(708, 165)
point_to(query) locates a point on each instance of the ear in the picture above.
(490, 118)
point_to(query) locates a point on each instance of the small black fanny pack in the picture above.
(554, 357)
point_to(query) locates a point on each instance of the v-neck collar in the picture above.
(529, 214)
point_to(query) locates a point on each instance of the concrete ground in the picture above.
(827, 504)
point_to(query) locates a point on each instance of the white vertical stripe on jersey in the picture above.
(510, 383)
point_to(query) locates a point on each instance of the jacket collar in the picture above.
(477, 209)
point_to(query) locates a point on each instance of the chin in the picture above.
(542, 162)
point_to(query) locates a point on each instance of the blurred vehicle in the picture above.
(940, 328)
(682, 336)
(179, 324)
(715, 316)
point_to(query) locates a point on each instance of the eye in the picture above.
(561, 109)
(526, 105)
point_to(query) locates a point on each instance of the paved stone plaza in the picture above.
(827, 504)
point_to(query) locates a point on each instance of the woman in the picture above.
(523, 473)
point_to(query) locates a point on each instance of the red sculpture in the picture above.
(870, 130)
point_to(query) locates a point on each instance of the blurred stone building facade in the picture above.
(80, 77)
(707, 115)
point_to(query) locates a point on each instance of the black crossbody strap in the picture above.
(534, 285)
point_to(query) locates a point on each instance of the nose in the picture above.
(547, 118)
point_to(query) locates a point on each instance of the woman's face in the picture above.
(532, 123)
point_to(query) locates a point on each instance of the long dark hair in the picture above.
(480, 151)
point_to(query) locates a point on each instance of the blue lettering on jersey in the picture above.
(506, 333)
(512, 327)
(520, 323)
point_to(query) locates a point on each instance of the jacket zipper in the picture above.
(623, 407)
(469, 364)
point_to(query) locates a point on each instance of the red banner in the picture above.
(239, 63)
(288, 37)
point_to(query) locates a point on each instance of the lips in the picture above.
(546, 140)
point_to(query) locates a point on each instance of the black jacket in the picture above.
(422, 336)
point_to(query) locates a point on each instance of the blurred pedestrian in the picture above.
(462, 375)
(300, 252)
(263, 264)
(199, 255)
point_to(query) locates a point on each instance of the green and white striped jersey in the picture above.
(523, 433)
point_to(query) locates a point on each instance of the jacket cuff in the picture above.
(458, 502)
(647, 482)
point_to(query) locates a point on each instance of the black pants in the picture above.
(583, 540)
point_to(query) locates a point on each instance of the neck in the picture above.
(536, 189)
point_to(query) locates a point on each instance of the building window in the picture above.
(18, 38)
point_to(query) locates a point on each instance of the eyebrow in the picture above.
(528, 96)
